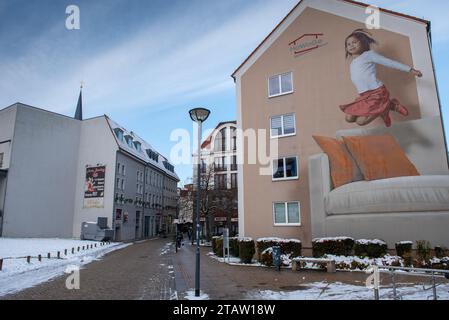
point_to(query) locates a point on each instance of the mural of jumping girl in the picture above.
(374, 98)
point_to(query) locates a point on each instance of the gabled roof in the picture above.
(347, 1)
(142, 155)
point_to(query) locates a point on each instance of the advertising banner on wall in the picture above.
(94, 187)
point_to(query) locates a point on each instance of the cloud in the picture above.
(160, 65)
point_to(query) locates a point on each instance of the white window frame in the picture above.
(280, 84)
(282, 126)
(285, 203)
(285, 169)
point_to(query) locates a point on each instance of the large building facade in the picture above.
(219, 165)
(57, 172)
(292, 86)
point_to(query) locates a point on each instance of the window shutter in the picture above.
(276, 126)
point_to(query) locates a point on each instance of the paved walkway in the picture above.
(140, 271)
(152, 270)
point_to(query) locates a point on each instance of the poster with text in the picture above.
(94, 187)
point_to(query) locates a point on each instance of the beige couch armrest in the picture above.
(319, 187)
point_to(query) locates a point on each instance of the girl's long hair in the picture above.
(365, 38)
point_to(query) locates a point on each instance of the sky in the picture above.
(146, 63)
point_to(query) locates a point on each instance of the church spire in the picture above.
(79, 106)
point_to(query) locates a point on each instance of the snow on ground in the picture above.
(190, 295)
(17, 274)
(340, 291)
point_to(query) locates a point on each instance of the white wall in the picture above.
(97, 146)
(41, 178)
(7, 120)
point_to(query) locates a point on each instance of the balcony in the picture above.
(220, 167)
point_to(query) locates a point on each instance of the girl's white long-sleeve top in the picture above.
(363, 70)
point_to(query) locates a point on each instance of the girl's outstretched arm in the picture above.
(380, 59)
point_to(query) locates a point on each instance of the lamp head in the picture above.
(199, 114)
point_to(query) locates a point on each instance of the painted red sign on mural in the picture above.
(306, 43)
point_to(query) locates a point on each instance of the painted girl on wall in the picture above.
(374, 100)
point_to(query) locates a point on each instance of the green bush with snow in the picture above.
(340, 246)
(403, 248)
(370, 248)
(247, 249)
(289, 247)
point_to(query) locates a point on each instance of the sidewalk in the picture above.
(221, 281)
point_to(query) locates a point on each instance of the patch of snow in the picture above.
(321, 240)
(373, 241)
(405, 242)
(18, 274)
(190, 295)
(340, 291)
(279, 240)
(245, 239)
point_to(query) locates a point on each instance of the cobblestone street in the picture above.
(152, 270)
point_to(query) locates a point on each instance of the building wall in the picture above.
(321, 83)
(43, 162)
(7, 122)
(97, 146)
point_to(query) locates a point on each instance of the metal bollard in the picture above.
(48, 255)
(59, 255)
(393, 276)
(65, 252)
(39, 257)
(28, 259)
(434, 287)
(73, 250)
(78, 249)
(83, 247)
(1, 264)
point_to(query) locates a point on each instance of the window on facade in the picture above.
(119, 133)
(286, 213)
(233, 138)
(283, 125)
(118, 183)
(220, 140)
(123, 169)
(138, 146)
(285, 168)
(234, 163)
(220, 182)
(129, 141)
(123, 184)
(118, 168)
(220, 164)
(233, 180)
(280, 84)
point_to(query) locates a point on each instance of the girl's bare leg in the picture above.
(363, 121)
(350, 118)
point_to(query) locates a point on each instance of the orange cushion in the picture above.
(343, 168)
(380, 157)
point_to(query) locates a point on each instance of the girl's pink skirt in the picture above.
(370, 103)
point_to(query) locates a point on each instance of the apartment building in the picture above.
(219, 164)
(57, 172)
(292, 85)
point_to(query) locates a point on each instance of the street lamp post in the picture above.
(198, 115)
